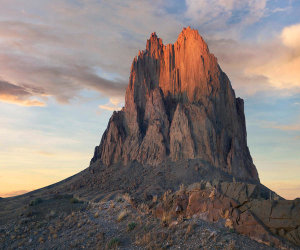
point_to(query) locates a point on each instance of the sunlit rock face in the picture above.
(179, 105)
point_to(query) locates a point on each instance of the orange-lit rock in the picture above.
(179, 104)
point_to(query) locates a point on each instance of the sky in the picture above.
(64, 68)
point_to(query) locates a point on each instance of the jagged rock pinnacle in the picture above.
(179, 104)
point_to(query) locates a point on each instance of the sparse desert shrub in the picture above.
(74, 200)
(190, 229)
(144, 208)
(166, 218)
(35, 202)
(112, 204)
(231, 245)
(122, 215)
(153, 240)
(119, 199)
(166, 194)
(182, 188)
(144, 239)
(131, 226)
(154, 199)
(62, 196)
(229, 223)
(127, 197)
(114, 242)
(29, 213)
(100, 236)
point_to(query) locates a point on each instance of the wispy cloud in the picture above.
(63, 51)
(62, 80)
(225, 16)
(285, 127)
(291, 127)
(21, 95)
(45, 153)
(267, 66)
(114, 104)
(276, 10)
(282, 69)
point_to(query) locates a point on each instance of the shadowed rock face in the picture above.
(179, 104)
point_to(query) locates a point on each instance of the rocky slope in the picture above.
(179, 104)
(173, 162)
(55, 223)
(77, 214)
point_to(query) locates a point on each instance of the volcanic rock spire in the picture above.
(179, 105)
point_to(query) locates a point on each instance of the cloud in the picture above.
(62, 81)
(17, 32)
(270, 66)
(78, 45)
(114, 104)
(282, 69)
(45, 153)
(284, 127)
(276, 10)
(236, 58)
(225, 15)
(291, 127)
(18, 95)
(75, 46)
(291, 36)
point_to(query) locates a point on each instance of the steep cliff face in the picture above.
(179, 104)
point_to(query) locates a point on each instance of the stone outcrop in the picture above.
(179, 104)
(245, 208)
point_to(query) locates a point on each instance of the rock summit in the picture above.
(179, 105)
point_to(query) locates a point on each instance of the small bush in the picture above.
(144, 208)
(182, 188)
(127, 197)
(166, 219)
(190, 229)
(114, 242)
(62, 196)
(112, 205)
(122, 215)
(75, 200)
(131, 226)
(154, 199)
(166, 195)
(35, 202)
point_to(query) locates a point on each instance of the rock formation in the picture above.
(242, 206)
(179, 105)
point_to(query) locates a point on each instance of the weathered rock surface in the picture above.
(179, 104)
(245, 208)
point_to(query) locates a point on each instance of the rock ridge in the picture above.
(179, 104)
